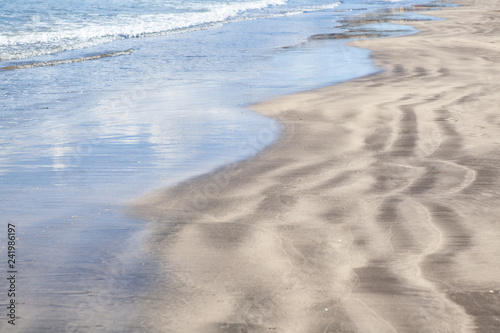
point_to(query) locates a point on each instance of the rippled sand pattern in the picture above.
(377, 211)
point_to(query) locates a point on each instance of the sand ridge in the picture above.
(376, 211)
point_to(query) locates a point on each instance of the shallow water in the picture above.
(81, 138)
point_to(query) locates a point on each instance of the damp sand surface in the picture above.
(376, 211)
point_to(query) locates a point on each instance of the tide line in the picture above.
(67, 61)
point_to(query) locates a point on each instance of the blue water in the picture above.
(103, 101)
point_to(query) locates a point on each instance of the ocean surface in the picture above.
(103, 101)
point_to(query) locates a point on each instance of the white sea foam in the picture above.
(61, 33)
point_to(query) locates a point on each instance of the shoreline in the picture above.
(373, 212)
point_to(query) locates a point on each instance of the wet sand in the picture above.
(376, 211)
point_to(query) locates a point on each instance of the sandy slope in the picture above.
(377, 211)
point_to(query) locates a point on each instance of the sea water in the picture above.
(102, 101)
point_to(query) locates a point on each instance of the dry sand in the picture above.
(378, 210)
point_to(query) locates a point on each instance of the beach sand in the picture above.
(377, 210)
